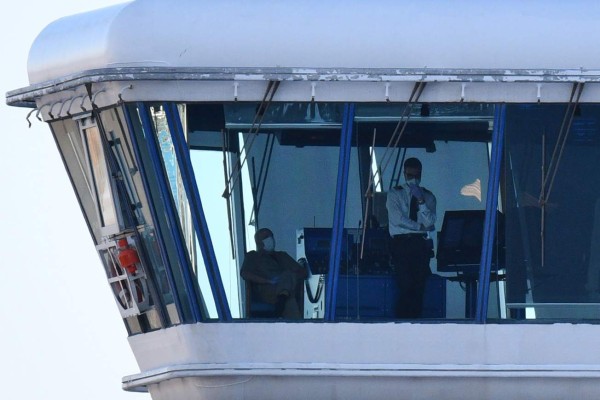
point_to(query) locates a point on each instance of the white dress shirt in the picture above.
(398, 207)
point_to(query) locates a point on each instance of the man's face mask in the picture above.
(413, 181)
(412, 177)
(269, 243)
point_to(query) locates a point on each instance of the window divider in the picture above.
(198, 216)
(339, 212)
(490, 214)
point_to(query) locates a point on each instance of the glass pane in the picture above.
(281, 177)
(135, 198)
(552, 212)
(384, 279)
(100, 177)
(211, 187)
(69, 140)
(113, 169)
(173, 270)
(180, 199)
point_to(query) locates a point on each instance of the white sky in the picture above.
(62, 336)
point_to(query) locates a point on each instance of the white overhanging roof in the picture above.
(334, 40)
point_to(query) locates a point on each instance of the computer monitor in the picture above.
(375, 252)
(461, 239)
(317, 247)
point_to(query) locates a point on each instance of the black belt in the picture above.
(411, 235)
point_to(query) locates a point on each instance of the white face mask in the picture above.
(269, 244)
(413, 182)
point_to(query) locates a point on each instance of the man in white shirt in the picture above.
(411, 214)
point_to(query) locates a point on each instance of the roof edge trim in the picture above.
(26, 96)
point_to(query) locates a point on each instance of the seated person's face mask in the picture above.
(269, 243)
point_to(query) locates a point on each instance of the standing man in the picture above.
(411, 213)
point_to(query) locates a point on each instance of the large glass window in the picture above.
(102, 183)
(275, 166)
(181, 202)
(106, 177)
(136, 207)
(226, 231)
(70, 144)
(552, 211)
(261, 168)
(451, 141)
(169, 207)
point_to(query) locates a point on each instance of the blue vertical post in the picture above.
(339, 212)
(158, 230)
(490, 214)
(191, 188)
(171, 214)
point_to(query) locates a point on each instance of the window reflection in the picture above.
(135, 202)
(98, 153)
(102, 182)
(180, 199)
(472, 189)
(551, 229)
(72, 148)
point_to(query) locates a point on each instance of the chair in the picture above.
(256, 308)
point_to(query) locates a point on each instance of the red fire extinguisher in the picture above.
(128, 257)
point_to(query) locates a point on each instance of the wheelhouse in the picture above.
(303, 129)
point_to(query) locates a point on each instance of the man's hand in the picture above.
(417, 192)
(426, 228)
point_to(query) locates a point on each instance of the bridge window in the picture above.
(552, 209)
(276, 167)
(106, 176)
(250, 166)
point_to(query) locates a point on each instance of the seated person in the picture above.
(276, 277)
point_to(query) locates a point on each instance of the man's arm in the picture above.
(428, 210)
(397, 216)
(293, 265)
(252, 277)
(250, 270)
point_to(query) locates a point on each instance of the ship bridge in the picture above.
(187, 127)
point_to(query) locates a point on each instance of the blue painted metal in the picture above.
(199, 218)
(339, 212)
(490, 214)
(158, 231)
(171, 214)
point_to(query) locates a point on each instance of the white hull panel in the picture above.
(368, 361)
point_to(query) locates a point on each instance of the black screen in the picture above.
(461, 239)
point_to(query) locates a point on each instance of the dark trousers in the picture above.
(410, 256)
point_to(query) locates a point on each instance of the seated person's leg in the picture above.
(287, 287)
(291, 309)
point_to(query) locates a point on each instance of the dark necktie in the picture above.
(414, 208)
